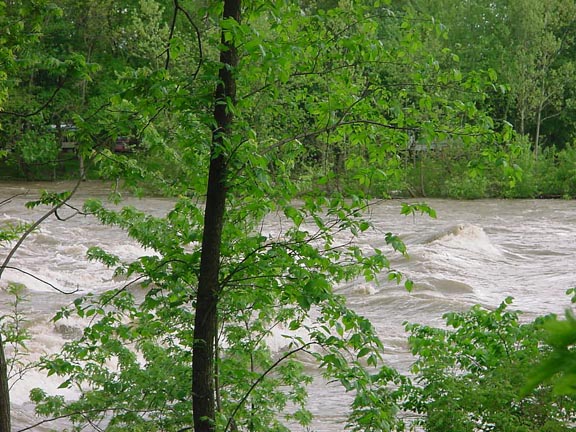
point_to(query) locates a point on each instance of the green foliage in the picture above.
(330, 100)
(559, 366)
(37, 147)
(353, 107)
(423, 208)
(11, 232)
(561, 336)
(564, 172)
(331, 113)
(467, 187)
(468, 375)
(530, 52)
(506, 170)
(14, 332)
(551, 175)
(267, 283)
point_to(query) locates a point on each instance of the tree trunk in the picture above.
(205, 325)
(522, 121)
(4, 392)
(537, 137)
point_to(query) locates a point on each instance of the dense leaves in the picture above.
(468, 376)
(298, 112)
(559, 366)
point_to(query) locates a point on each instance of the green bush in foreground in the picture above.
(468, 376)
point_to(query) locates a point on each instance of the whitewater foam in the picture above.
(465, 237)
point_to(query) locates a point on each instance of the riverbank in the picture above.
(432, 176)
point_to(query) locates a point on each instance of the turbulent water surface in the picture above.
(474, 252)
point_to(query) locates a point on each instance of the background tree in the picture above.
(528, 44)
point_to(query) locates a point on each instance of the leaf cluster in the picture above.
(468, 376)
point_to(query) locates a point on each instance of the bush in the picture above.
(566, 171)
(468, 376)
(509, 170)
(38, 148)
(466, 187)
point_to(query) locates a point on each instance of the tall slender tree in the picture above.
(206, 318)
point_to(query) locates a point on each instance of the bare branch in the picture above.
(198, 38)
(171, 34)
(259, 380)
(179, 8)
(39, 279)
(34, 226)
(40, 109)
(9, 200)
(64, 219)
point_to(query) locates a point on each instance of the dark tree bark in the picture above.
(4, 392)
(205, 325)
(4, 389)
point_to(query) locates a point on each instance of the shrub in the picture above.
(468, 376)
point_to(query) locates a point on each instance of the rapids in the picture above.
(474, 252)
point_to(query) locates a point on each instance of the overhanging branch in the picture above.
(38, 110)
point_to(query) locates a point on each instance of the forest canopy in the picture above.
(424, 80)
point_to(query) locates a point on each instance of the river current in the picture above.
(474, 252)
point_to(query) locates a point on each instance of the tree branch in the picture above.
(40, 109)
(34, 226)
(9, 200)
(39, 279)
(198, 39)
(259, 380)
(177, 8)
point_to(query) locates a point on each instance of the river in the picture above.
(474, 252)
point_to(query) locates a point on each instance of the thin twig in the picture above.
(9, 200)
(198, 38)
(37, 111)
(259, 380)
(34, 226)
(41, 280)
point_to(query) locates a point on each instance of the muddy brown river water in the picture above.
(474, 252)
